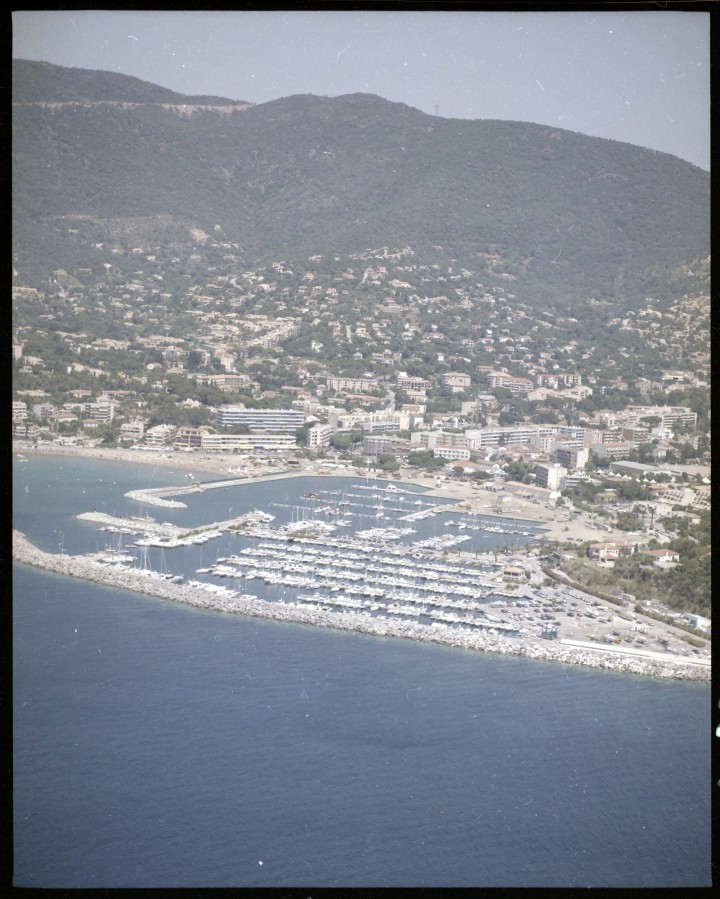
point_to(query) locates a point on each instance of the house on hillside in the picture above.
(610, 550)
(662, 558)
(456, 381)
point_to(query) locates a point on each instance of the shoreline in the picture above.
(139, 581)
(467, 498)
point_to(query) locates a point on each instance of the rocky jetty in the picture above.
(152, 498)
(142, 581)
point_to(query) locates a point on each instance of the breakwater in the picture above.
(142, 581)
(153, 498)
(149, 526)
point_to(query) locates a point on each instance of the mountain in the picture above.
(556, 216)
(43, 82)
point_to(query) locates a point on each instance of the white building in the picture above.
(319, 435)
(703, 624)
(270, 444)
(263, 419)
(572, 457)
(452, 453)
(19, 410)
(132, 430)
(356, 385)
(549, 476)
(160, 435)
(415, 387)
(456, 381)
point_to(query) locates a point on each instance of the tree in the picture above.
(626, 521)
(108, 434)
(388, 462)
(519, 471)
(425, 459)
(194, 360)
(340, 441)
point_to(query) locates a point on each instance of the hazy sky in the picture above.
(640, 77)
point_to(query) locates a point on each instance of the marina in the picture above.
(429, 602)
(141, 653)
(376, 557)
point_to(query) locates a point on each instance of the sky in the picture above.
(637, 76)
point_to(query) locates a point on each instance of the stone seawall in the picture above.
(140, 581)
(152, 499)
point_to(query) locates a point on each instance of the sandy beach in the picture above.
(470, 497)
(461, 496)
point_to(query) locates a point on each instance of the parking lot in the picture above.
(582, 617)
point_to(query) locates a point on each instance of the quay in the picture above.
(170, 531)
(156, 495)
(627, 650)
(221, 599)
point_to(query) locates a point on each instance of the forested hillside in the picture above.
(557, 217)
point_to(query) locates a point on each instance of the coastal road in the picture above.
(626, 650)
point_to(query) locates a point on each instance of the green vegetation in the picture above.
(174, 264)
(627, 521)
(686, 587)
(388, 462)
(425, 459)
(564, 215)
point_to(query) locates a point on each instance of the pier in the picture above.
(166, 529)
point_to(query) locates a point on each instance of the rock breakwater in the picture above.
(142, 581)
(152, 498)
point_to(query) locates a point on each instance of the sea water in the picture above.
(157, 745)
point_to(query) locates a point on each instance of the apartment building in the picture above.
(558, 380)
(374, 445)
(225, 382)
(412, 386)
(19, 410)
(160, 435)
(102, 411)
(354, 385)
(260, 419)
(452, 453)
(456, 381)
(432, 439)
(509, 382)
(572, 458)
(190, 437)
(319, 435)
(256, 444)
(132, 430)
(619, 450)
(549, 476)
(535, 435)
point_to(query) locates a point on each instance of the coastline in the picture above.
(139, 581)
(472, 499)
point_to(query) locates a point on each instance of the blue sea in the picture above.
(157, 745)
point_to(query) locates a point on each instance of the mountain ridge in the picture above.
(563, 214)
(35, 81)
